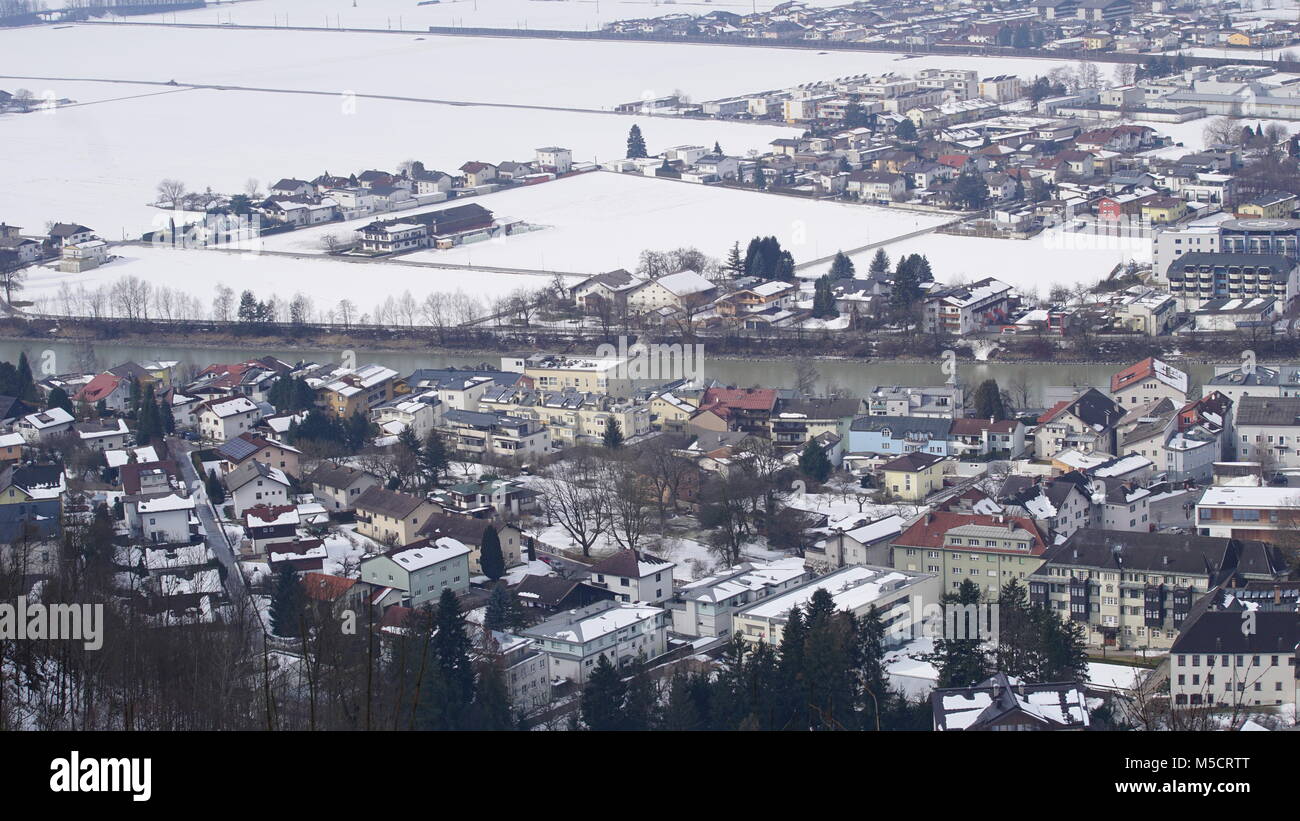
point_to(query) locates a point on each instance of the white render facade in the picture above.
(573, 641)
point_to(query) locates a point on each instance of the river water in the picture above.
(855, 376)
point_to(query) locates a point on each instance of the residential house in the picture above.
(635, 576)
(338, 486)
(256, 483)
(419, 571)
(392, 517)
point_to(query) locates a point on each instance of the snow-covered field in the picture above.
(1032, 265)
(112, 153)
(197, 273)
(604, 220)
(535, 72)
(570, 15)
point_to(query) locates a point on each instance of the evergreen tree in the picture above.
(636, 144)
(433, 457)
(841, 266)
(717, 148)
(681, 712)
(960, 658)
(496, 614)
(734, 265)
(907, 285)
(1019, 649)
(905, 130)
(168, 416)
(288, 603)
(760, 179)
(59, 399)
(988, 401)
(216, 493)
(823, 306)
(26, 385)
(602, 698)
(451, 652)
(814, 463)
(248, 311)
(492, 563)
(613, 435)
(640, 704)
(879, 263)
(1065, 650)
(871, 669)
(492, 710)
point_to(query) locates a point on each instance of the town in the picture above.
(881, 366)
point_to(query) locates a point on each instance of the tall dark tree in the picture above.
(879, 263)
(603, 697)
(451, 652)
(58, 398)
(841, 266)
(433, 457)
(905, 130)
(814, 463)
(613, 435)
(959, 655)
(823, 306)
(216, 492)
(635, 144)
(26, 385)
(288, 604)
(734, 265)
(492, 563)
(988, 401)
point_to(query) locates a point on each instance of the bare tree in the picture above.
(572, 494)
(171, 191)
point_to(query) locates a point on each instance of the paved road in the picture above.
(213, 534)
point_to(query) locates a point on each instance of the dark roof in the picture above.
(899, 426)
(625, 563)
(1220, 631)
(1162, 552)
(336, 476)
(1006, 699)
(130, 473)
(1268, 410)
(464, 529)
(388, 502)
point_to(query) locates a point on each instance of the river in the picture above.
(855, 376)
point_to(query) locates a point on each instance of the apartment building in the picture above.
(621, 632)
(1198, 278)
(705, 607)
(495, 434)
(1216, 663)
(987, 549)
(1270, 514)
(349, 391)
(1268, 431)
(635, 576)
(571, 416)
(1148, 381)
(1134, 590)
(899, 596)
(391, 517)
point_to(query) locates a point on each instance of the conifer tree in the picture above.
(216, 493)
(288, 603)
(491, 562)
(879, 263)
(814, 463)
(433, 457)
(613, 435)
(960, 658)
(26, 384)
(841, 266)
(451, 650)
(635, 144)
(602, 698)
(59, 399)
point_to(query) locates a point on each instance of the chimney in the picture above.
(1277, 594)
(1164, 560)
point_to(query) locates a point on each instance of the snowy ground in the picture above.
(604, 220)
(596, 74)
(572, 15)
(326, 281)
(1029, 265)
(125, 138)
(1115, 676)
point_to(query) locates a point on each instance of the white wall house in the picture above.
(421, 570)
(223, 419)
(162, 519)
(574, 640)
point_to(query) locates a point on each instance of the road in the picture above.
(213, 534)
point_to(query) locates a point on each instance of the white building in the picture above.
(574, 640)
(161, 519)
(223, 419)
(635, 576)
(705, 607)
(421, 571)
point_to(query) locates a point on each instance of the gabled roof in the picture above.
(337, 476)
(633, 564)
(1146, 369)
(251, 470)
(389, 502)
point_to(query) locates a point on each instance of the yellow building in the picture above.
(913, 476)
(1164, 209)
(1270, 205)
(356, 391)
